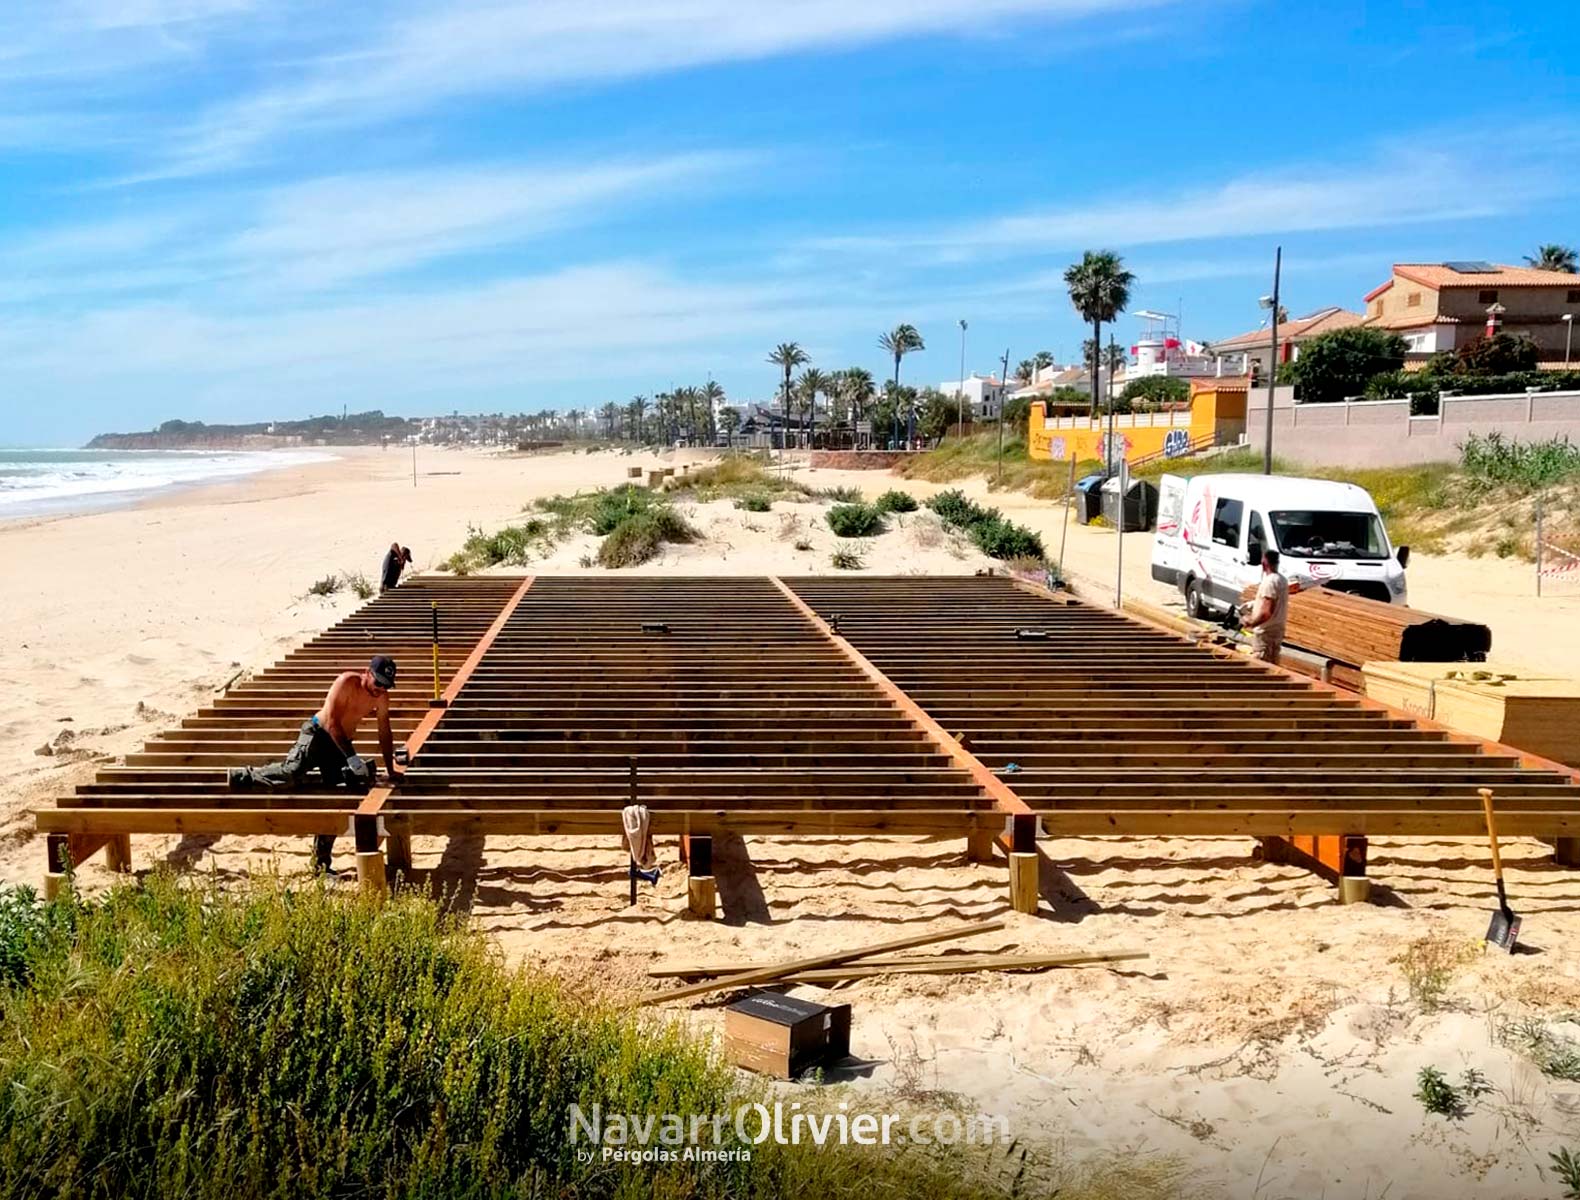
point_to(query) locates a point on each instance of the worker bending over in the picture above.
(1271, 613)
(324, 743)
(395, 560)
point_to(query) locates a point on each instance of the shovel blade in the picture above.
(1504, 931)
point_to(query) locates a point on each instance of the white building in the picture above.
(984, 392)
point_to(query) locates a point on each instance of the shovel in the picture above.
(1505, 928)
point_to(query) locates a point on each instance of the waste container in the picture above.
(1141, 504)
(1088, 502)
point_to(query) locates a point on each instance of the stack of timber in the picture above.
(1533, 712)
(1357, 630)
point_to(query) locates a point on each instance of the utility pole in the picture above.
(1003, 394)
(1272, 366)
(414, 462)
(1108, 457)
(960, 393)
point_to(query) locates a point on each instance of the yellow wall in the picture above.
(1212, 412)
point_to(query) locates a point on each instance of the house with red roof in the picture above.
(1438, 307)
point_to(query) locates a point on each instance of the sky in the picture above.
(237, 210)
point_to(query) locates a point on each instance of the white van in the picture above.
(1212, 529)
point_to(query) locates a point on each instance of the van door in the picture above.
(1225, 556)
(1169, 554)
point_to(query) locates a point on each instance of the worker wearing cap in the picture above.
(324, 742)
(395, 560)
(1271, 614)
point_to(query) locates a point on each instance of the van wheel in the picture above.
(1195, 601)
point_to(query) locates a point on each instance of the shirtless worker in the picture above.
(1271, 614)
(324, 743)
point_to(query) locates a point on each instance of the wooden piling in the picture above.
(701, 890)
(118, 853)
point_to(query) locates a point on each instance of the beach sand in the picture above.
(1271, 1042)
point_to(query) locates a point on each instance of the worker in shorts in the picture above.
(1270, 614)
(324, 743)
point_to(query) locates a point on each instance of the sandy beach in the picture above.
(1271, 1042)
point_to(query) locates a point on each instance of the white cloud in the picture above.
(1400, 185)
(443, 51)
(335, 231)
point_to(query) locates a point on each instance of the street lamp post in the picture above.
(1002, 396)
(1569, 330)
(960, 392)
(1272, 363)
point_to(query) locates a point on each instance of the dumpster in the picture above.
(1088, 501)
(1141, 504)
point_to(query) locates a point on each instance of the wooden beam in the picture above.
(954, 964)
(832, 958)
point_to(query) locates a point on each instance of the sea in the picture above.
(48, 482)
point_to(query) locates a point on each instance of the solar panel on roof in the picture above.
(1471, 266)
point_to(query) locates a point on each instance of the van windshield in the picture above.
(1311, 534)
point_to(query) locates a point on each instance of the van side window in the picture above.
(1226, 522)
(1256, 541)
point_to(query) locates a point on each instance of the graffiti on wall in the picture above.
(1112, 449)
(1176, 442)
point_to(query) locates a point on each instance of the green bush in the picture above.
(640, 536)
(847, 558)
(953, 508)
(327, 586)
(614, 505)
(1494, 460)
(855, 520)
(175, 1041)
(840, 495)
(895, 501)
(756, 502)
(999, 538)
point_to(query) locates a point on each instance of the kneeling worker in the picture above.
(324, 743)
(1271, 613)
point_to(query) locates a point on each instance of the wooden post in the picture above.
(57, 863)
(1023, 865)
(1354, 886)
(118, 853)
(979, 845)
(371, 876)
(1566, 851)
(701, 892)
(397, 854)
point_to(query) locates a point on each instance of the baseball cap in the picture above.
(383, 668)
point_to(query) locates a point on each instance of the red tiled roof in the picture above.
(1410, 321)
(1435, 275)
(1321, 321)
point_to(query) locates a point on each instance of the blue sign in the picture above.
(1176, 442)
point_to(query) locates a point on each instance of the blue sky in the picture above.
(243, 209)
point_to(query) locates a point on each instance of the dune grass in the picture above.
(174, 1040)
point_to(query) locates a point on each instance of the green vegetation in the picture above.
(327, 586)
(1428, 965)
(1099, 289)
(1555, 1055)
(756, 502)
(993, 534)
(1437, 1095)
(177, 1041)
(511, 546)
(1566, 1165)
(847, 557)
(855, 520)
(1530, 466)
(640, 536)
(1152, 392)
(895, 501)
(1342, 362)
(978, 455)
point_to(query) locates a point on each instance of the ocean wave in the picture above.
(50, 479)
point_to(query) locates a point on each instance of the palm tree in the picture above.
(1552, 257)
(812, 383)
(859, 388)
(1041, 359)
(1025, 371)
(788, 355)
(1100, 290)
(611, 414)
(635, 409)
(730, 421)
(899, 342)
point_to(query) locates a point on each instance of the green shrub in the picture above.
(614, 505)
(953, 508)
(1437, 1095)
(1530, 465)
(756, 502)
(1566, 1165)
(176, 1041)
(847, 557)
(840, 495)
(327, 586)
(360, 584)
(999, 538)
(855, 520)
(895, 501)
(640, 536)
